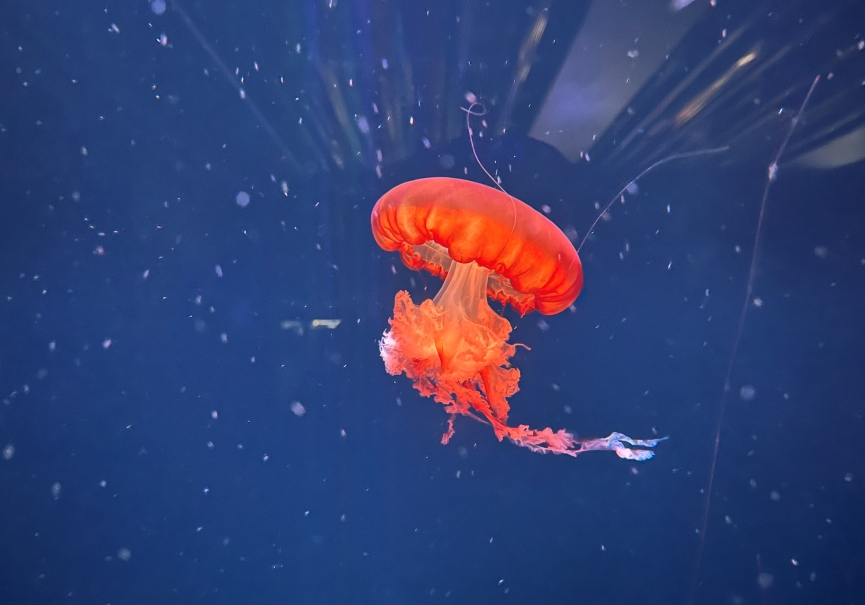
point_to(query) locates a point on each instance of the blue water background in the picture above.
(154, 334)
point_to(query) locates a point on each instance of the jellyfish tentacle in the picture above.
(616, 442)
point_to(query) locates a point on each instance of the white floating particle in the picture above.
(218, 271)
(297, 408)
(242, 199)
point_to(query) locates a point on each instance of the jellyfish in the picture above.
(454, 347)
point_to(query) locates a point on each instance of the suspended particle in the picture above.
(242, 199)
(329, 324)
(294, 326)
(747, 392)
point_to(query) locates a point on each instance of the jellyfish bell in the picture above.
(454, 348)
(435, 222)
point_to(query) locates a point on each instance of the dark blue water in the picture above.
(156, 336)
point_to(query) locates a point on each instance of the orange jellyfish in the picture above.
(455, 348)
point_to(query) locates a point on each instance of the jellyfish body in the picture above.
(454, 348)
